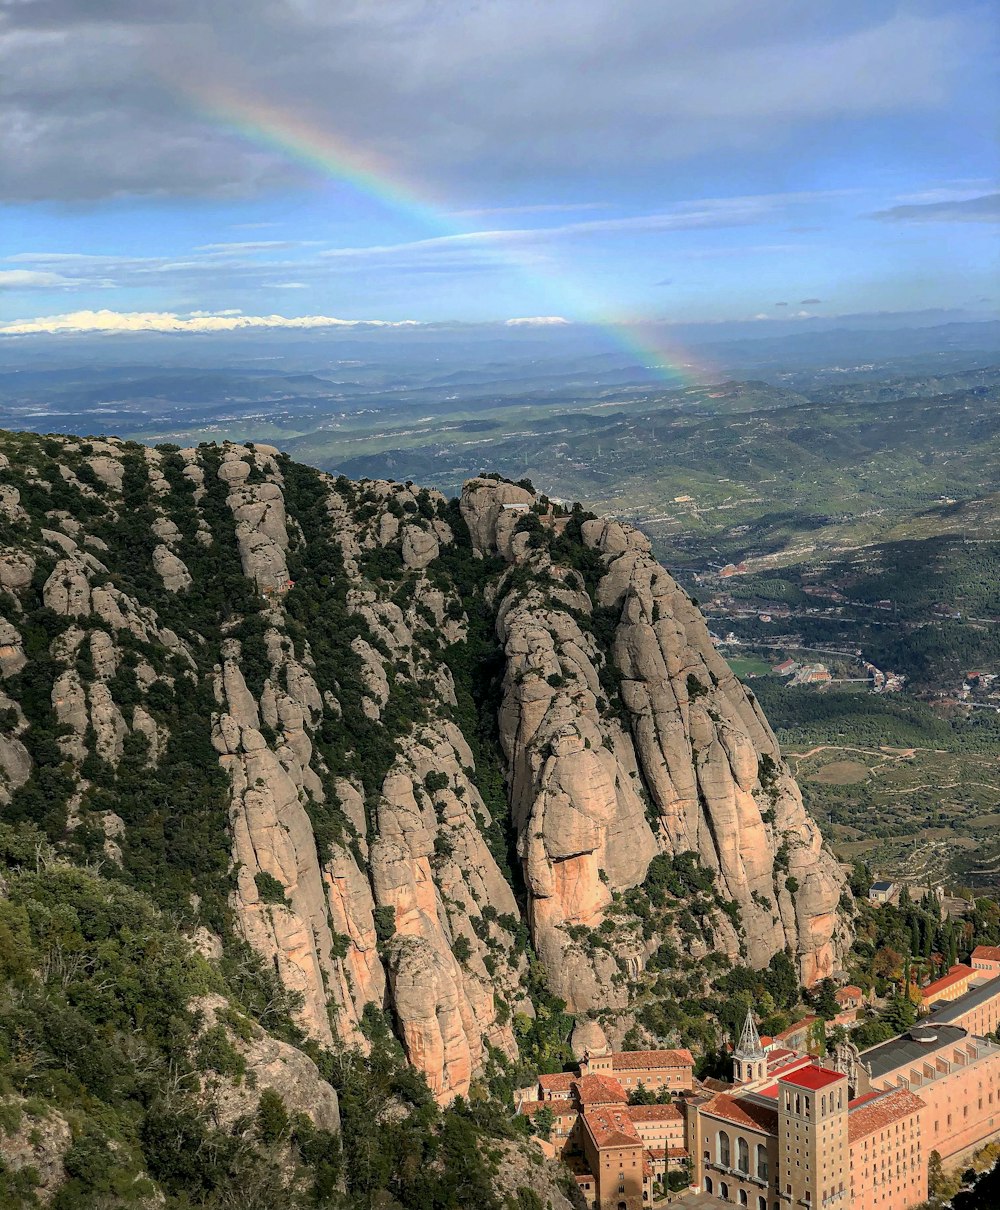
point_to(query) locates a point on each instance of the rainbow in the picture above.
(336, 158)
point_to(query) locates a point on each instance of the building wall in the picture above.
(662, 1133)
(677, 1079)
(889, 1167)
(617, 1174)
(711, 1172)
(981, 1020)
(958, 988)
(963, 1107)
(813, 1150)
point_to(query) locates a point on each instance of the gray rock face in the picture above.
(274, 1064)
(369, 873)
(171, 570)
(39, 1142)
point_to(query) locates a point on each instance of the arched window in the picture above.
(708, 1184)
(798, 1103)
(724, 1191)
(762, 1203)
(742, 1155)
(723, 1143)
(822, 1104)
(761, 1163)
(744, 1201)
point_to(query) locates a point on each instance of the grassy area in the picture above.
(744, 667)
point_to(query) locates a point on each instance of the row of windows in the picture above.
(742, 1198)
(723, 1155)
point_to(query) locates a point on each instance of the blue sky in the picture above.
(589, 159)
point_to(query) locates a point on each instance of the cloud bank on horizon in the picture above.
(468, 162)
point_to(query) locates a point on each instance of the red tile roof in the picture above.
(651, 1060)
(955, 975)
(600, 1090)
(744, 1112)
(879, 1110)
(986, 953)
(850, 992)
(655, 1113)
(560, 1081)
(611, 1127)
(812, 1077)
(792, 1030)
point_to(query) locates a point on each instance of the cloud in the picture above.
(168, 321)
(104, 100)
(781, 304)
(29, 279)
(261, 245)
(696, 215)
(810, 302)
(537, 321)
(983, 209)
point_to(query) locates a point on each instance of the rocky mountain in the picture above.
(436, 764)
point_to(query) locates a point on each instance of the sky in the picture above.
(186, 166)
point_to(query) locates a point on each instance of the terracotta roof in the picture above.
(560, 1108)
(987, 953)
(611, 1127)
(744, 1112)
(560, 1081)
(955, 975)
(880, 1109)
(677, 1153)
(805, 1023)
(812, 1077)
(655, 1113)
(632, 1060)
(850, 992)
(600, 1090)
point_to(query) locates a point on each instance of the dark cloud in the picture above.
(985, 209)
(106, 97)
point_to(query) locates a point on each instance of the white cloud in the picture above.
(168, 321)
(29, 279)
(537, 321)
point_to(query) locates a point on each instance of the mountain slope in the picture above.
(452, 760)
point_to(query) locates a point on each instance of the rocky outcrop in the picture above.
(39, 1141)
(269, 1063)
(696, 769)
(435, 764)
(171, 570)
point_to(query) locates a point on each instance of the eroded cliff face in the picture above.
(430, 724)
(688, 764)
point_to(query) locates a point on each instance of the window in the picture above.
(742, 1155)
(708, 1184)
(761, 1162)
(723, 1152)
(743, 1198)
(761, 1203)
(724, 1191)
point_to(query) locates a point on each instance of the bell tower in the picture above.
(749, 1059)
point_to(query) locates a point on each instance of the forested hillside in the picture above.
(314, 789)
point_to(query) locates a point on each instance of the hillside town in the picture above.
(806, 1119)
